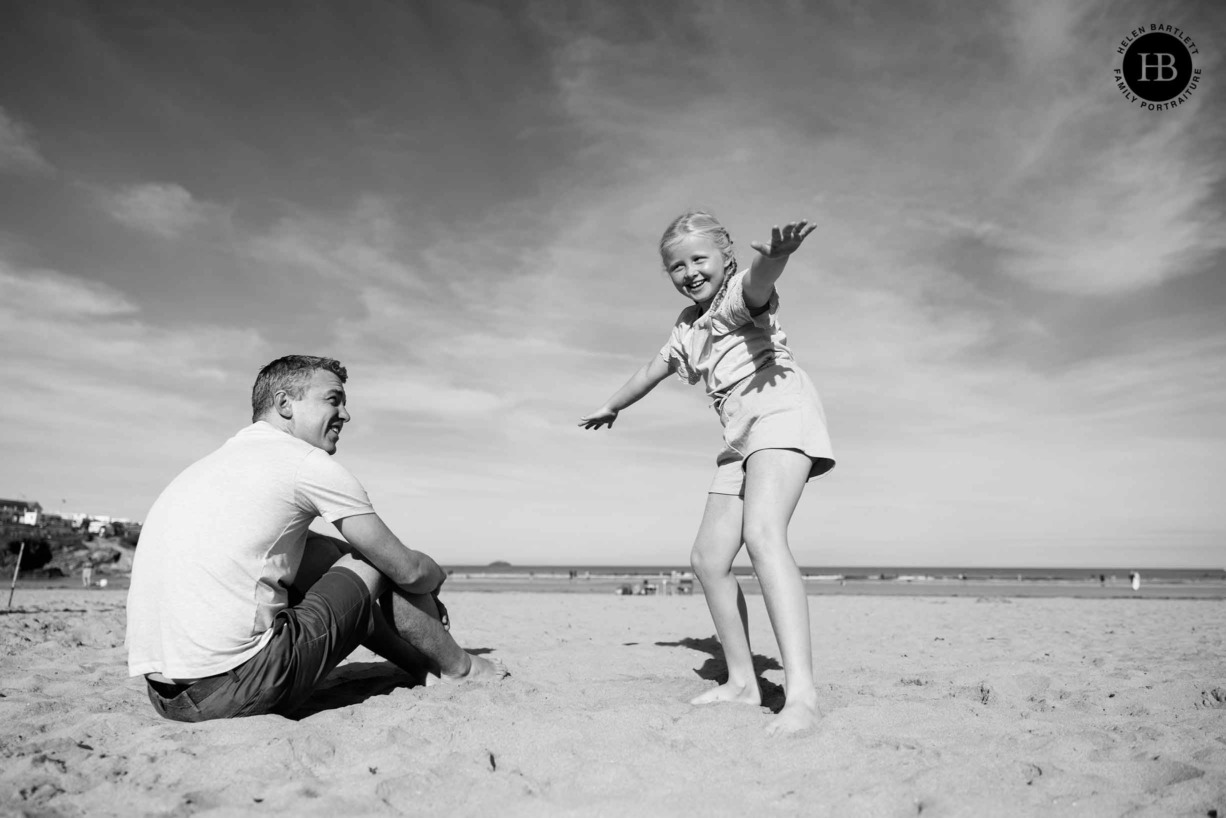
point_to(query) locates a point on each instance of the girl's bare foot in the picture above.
(795, 717)
(730, 692)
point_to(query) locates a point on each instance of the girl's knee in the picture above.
(697, 560)
(706, 566)
(765, 539)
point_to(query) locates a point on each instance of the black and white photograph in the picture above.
(579, 408)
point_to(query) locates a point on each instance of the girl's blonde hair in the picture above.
(698, 222)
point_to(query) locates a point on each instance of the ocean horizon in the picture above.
(1183, 583)
(865, 572)
(639, 579)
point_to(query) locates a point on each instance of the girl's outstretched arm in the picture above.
(768, 265)
(646, 379)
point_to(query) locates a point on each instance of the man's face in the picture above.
(320, 413)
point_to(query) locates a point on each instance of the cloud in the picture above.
(39, 295)
(88, 357)
(425, 392)
(1164, 388)
(165, 210)
(368, 242)
(18, 151)
(1103, 216)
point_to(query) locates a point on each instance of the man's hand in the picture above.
(442, 611)
(786, 241)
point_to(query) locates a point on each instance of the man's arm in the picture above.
(412, 571)
(409, 632)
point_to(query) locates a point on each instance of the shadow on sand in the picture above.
(355, 682)
(352, 684)
(715, 669)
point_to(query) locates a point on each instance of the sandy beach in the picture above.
(946, 706)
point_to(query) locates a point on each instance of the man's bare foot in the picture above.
(480, 669)
(795, 717)
(729, 692)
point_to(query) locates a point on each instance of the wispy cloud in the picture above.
(163, 209)
(425, 392)
(52, 296)
(1101, 202)
(18, 151)
(88, 360)
(367, 242)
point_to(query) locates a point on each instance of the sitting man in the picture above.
(236, 609)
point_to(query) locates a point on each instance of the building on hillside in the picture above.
(22, 512)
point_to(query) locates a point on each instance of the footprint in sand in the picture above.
(1155, 773)
(316, 755)
(1213, 698)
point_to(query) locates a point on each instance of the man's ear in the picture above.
(283, 403)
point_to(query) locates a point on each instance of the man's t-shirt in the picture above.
(221, 545)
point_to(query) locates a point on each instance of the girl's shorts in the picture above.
(775, 408)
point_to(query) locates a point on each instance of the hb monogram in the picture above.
(1161, 64)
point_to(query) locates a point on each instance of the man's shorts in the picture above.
(776, 408)
(309, 639)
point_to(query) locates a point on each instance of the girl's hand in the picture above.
(604, 416)
(786, 241)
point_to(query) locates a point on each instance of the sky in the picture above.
(1012, 305)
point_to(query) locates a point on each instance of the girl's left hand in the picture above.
(786, 241)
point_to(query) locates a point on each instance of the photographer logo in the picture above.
(1157, 71)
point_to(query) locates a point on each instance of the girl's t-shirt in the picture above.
(727, 343)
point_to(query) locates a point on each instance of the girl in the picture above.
(775, 440)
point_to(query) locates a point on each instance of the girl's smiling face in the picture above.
(696, 267)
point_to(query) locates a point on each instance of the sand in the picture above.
(940, 706)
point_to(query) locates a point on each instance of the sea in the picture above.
(646, 580)
(670, 580)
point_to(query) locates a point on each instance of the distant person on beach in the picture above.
(775, 440)
(236, 609)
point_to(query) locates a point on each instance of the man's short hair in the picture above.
(290, 374)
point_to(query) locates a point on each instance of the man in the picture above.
(235, 609)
